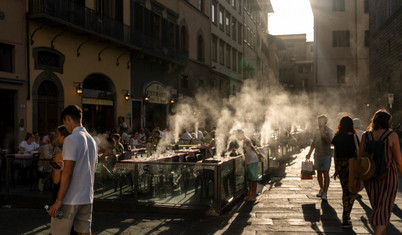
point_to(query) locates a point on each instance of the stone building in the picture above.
(296, 63)
(386, 56)
(341, 68)
(14, 78)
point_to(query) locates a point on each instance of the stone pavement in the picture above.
(287, 205)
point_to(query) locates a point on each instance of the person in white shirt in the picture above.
(199, 135)
(186, 136)
(28, 145)
(76, 192)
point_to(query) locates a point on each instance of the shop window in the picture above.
(6, 58)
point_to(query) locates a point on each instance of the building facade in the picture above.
(341, 52)
(14, 78)
(386, 56)
(296, 63)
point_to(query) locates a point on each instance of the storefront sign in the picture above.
(157, 94)
(97, 101)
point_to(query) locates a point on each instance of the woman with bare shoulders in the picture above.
(382, 191)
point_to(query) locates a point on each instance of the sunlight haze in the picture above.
(291, 17)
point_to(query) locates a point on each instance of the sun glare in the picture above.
(291, 17)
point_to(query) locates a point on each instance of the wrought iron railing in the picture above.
(89, 20)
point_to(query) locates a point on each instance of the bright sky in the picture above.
(291, 17)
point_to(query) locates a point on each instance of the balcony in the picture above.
(86, 20)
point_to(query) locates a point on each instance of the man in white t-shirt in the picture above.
(75, 196)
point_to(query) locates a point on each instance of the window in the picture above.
(366, 38)
(234, 29)
(139, 17)
(184, 81)
(227, 23)
(200, 5)
(239, 33)
(214, 48)
(221, 52)
(234, 60)
(239, 61)
(48, 59)
(233, 3)
(200, 48)
(213, 12)
(340, 38)
(6, 58)
(221, 17)
(156, 22)
(228, 57)
(341, 74)
(366, 6)
(172, 34)
(338, 5)
(183, 39)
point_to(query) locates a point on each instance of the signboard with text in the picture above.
(157, 94)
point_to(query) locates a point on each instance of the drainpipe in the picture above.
(28, 66)
(356, 59)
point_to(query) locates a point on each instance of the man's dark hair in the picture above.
(74, 112)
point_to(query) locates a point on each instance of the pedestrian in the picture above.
(346, 143)
(382, 191)
(62, 133)
(322, 155)
(75, 196)
(252, 156)
(357, 124)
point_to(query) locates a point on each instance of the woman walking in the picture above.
(382, 191)
(345, 142)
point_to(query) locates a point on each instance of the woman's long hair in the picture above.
(380, 120)
(345, 126)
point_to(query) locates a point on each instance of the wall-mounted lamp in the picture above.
(127, 95)
(172, 100)
(78, 88)
(146, 98)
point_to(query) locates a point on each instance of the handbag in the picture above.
(355, 183)
(307, 170)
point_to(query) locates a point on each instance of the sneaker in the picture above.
(324, 196)
(41, 185)
(319, 194)
(347, 224)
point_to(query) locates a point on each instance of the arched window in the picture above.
(48, 59)
(183, 39)
(200, 48)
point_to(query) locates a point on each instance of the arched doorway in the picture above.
(98, 100)
(48, 102)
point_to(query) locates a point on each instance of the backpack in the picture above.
(376, 149)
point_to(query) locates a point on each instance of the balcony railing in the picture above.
(88, 20)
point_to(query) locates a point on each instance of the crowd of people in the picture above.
(349, 141)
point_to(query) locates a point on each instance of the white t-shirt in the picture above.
(29, 147)
(200, 135)
(186, 136)
(125, 136)
(249, 153)
(80, 147)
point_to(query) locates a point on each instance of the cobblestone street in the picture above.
(287, 205)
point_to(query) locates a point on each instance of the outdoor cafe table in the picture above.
(128, 154)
